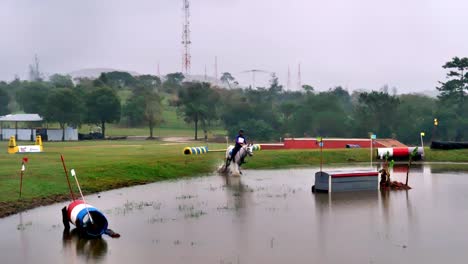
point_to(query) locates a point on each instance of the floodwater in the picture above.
(265, 216)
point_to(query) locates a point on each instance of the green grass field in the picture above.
(104, 165)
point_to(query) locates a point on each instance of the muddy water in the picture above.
(262, 217)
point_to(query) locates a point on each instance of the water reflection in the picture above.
(236, 192)
(75, 245)
(403, 168)
(23, 239)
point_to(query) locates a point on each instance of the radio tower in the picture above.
(158, 72)
(288, 87)
(206, 76)
(299, 81)
(216, 70)
(186, 57)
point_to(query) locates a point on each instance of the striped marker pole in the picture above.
(204, 150)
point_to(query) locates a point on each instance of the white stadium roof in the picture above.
(21, 118)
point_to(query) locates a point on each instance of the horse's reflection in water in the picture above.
(90, 249)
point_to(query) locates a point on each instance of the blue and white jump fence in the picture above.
(204, 150)
(79, 214)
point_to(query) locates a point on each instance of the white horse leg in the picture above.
(226, 164)
(235, 170)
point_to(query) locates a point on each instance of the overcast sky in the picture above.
(358, 44)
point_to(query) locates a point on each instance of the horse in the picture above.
(234, 166)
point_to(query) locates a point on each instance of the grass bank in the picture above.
(104, 165)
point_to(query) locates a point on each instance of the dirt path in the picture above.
(177, 139)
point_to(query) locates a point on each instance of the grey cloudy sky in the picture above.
(359, 44)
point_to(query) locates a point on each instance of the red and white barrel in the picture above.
(398, 152)
(87, 218)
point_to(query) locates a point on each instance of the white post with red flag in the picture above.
(73, 173)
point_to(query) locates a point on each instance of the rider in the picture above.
(240, 141)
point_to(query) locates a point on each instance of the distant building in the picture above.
(29, 134)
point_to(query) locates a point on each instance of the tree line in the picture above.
(266, 113)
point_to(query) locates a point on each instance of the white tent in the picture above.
(19, 118)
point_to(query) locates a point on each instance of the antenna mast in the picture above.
(216, 70)
(299, 81)
(158, 72)
(186, 57)
(206, 77)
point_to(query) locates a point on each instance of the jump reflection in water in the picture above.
(74, 245)
(338, 217)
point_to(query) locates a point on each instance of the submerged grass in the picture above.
(104, 165)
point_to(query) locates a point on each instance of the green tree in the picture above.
(173, 82)
(197, 103)
(302, 119)
(32, 97)
(103, 106)
(85, 84)
(61, 81)
(260, 104)
(12, 90)
(149, 81)
(457, 83)
(116, 79)
(376, 112)
(275, 88)
(4, 101)
(330, 116)
(134, 110)
(308, 88)
(320, 114)
(235, 108)
(145, 105)
(343, 97)
(415, 114)
(64, 106)
(287, 109)
(453, 103)
(227, 78)
(257, 129)
(153, 111)
(450, 124)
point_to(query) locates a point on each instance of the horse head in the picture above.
(249, 149)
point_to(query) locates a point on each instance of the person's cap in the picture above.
(241, 130)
